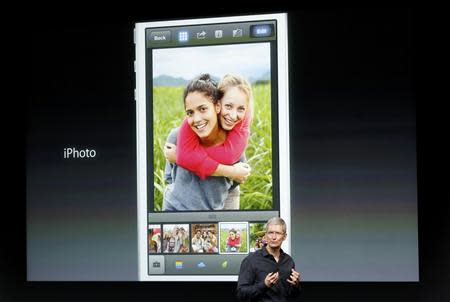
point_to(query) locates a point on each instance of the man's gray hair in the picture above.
(276, 221)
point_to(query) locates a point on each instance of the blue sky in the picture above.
(249, 60)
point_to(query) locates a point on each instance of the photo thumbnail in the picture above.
(257, 236)
(176, 238)
(204, 238)
(154, 238)
(233, 237)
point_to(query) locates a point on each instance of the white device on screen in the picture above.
(207, 242)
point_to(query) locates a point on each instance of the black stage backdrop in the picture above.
(77, 64)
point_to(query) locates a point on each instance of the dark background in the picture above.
(330, 54)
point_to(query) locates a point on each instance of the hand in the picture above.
(294, 278)
(170, 152)
(271, 279)
(240, 172)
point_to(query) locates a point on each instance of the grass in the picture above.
(168, 113)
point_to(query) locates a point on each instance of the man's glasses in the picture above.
(272, 234)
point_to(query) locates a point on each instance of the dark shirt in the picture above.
(254, 269)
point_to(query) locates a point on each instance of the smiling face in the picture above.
(234, 105)
(201, 114)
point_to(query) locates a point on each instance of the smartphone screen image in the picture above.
(212, 142)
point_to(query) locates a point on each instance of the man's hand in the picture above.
(294, 278)
(271, 279)
(170, 152)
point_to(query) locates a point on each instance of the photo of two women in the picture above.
(212, 128)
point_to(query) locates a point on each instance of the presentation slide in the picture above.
(157, 148)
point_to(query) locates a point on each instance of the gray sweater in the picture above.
(187, 192)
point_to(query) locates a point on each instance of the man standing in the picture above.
(269, 274)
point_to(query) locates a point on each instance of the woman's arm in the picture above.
(171, 139)
(238, 172)
(191, 155)
(170, 152)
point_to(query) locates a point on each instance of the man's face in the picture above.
(275, 236)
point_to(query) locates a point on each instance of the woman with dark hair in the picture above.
(186, 190)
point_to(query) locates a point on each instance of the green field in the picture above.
(168, 113)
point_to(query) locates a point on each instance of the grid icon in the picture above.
(183, 36)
